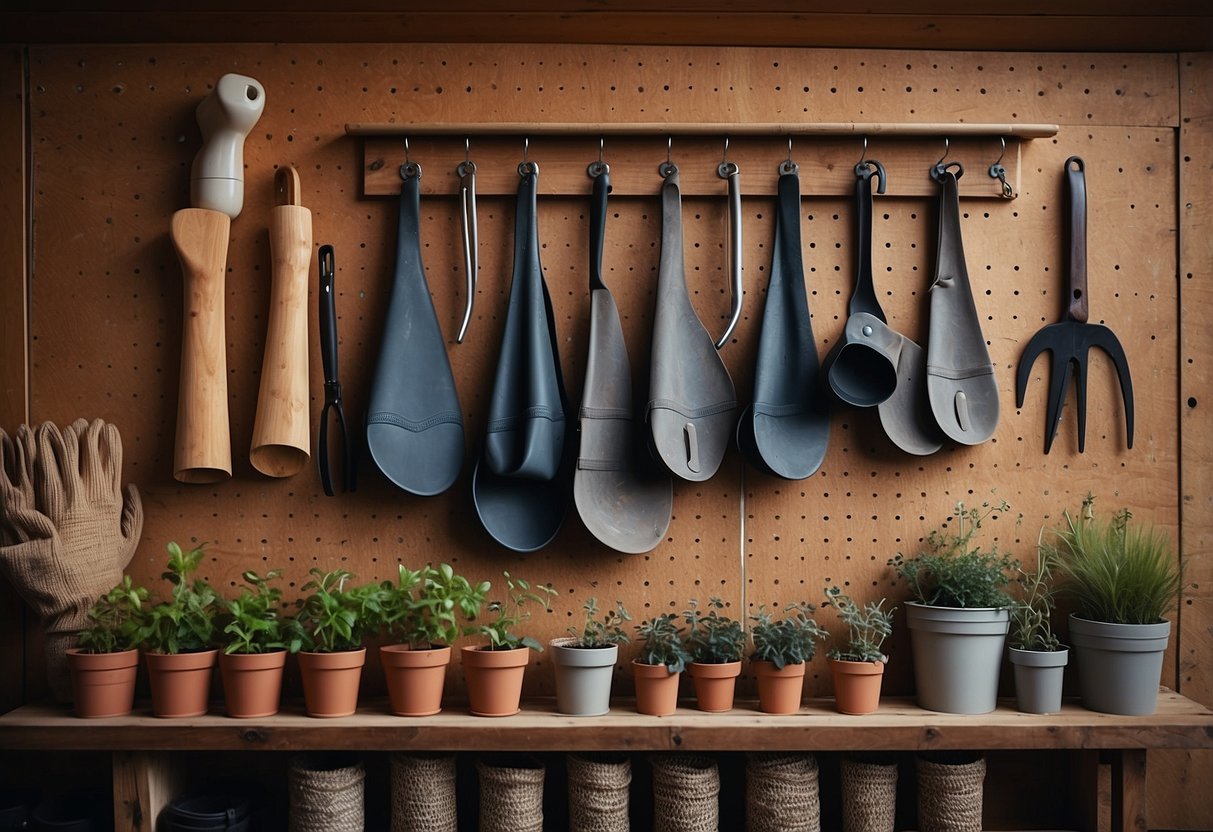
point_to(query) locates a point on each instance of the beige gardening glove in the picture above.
(69, 544)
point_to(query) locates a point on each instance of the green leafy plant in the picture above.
(661, 642)
(601, 632)
(1035, 600)
(186, 622)
(115, 620)
(423, 607)
(791, 640)
(954, 571)
(515, 609)
(713, 638)
(332, 618)
(253, 621)
(867, 627)
(1117, 572)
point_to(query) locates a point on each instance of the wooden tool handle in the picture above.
(203, 451)
(282, 430)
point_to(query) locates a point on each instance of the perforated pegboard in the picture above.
(113, 137)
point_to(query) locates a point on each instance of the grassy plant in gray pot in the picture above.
(1124, 578)
(960, 612)
(1037, 656)
(717, 644)
(584, 661)
(857, 667)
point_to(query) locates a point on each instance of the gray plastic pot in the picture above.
(583, 677)
(1119, 665)
(1038, 678)
(957, 656)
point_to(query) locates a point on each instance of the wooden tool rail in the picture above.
(826, 154)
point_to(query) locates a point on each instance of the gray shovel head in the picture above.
(960, 376)
(692, 406)
(624, 511)
(906, 415)
(414, 425)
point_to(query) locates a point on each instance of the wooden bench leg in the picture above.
(144, 783)
(1129, 790)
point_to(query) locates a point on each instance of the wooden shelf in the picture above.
(899, 725)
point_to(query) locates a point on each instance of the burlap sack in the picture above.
(869, 796)
(686, 789)
(326, 794)
(598, 793)
(511, 798)
(423, 793)
(950, 794)
(781, 793)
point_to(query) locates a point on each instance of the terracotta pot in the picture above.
(103, 684)
(856, 685)
(494, 679)
(714, 685)
(252, 683)
(330, 682)
(656, 689)
(414, 678)
(181, 682)
(779, 690)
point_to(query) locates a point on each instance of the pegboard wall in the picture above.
(113, 137)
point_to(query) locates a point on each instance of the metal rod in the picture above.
(842, 128)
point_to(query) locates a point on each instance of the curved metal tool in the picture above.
(729, 171)
(1072, 338)
(466, 171)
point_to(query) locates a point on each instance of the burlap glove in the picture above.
(71, 544)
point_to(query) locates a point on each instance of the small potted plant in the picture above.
(104, 666)
(254, 650)
(663, 657)
(1037, 655)
(178, 639)
(327, 632)
(494, 670)
(716, 644)
(584, 661)
(858, 668)
(781, 650)
(422, 611)
(960, 614)
(1124, 578)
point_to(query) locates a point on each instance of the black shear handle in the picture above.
(1076, 184)
(328, 316)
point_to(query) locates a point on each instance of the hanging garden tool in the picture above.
(692, 406)
(466, 171)
(203, 452)
(282, 430)
(960, 376)
(347, 456)
(521, 483)
(786, 431)
(414, 425)
(623, 510)
(1071, 340)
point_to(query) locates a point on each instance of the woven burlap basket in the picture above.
(869, 796)
(423, 793)
(511, 798)
(686, 788)
(326, 794)
(598, 793)
(781, 793)
(950, 794)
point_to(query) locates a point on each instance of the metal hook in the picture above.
(467, 149)
(525, 167)
(790, 162)
(864, 155)
(409, 169)
(724, 159)
(997, 171)
(946, 147)
(526, 148)
(596, 169)
(787, 166)
(666, 168)
(406, 150)
(669, 150)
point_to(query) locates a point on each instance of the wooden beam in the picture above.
(144, 783)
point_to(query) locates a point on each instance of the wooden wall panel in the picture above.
(113, 137)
